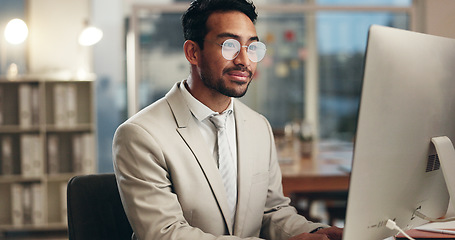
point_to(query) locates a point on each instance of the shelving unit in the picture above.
(47, 135)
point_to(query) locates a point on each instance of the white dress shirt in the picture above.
(202, 113)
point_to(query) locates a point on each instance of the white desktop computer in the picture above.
(403, 161)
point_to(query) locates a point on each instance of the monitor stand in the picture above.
(446, 154)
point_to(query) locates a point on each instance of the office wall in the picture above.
(54, 29)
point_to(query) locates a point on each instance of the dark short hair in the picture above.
(195, 18)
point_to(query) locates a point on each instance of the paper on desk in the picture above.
(418, 234)
(440, 225)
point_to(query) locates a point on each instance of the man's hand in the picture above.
(331, 233)
(309, 236)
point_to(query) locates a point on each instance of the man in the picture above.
(179, 176)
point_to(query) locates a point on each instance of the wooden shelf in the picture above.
(47, 135)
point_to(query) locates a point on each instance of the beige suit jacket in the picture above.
(171, 188)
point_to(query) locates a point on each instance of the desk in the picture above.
(314, 175)
(317, 179)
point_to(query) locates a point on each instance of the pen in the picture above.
(435, 230)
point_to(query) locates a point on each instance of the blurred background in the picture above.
(308, 86)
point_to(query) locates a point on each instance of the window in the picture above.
(278, 90)
(341, 39)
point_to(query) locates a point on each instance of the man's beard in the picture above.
(219, 84)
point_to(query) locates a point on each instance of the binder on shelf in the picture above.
(25, 105)
(53, 166)
(27, 204)
(65, 104)
(71, 110)
(90, 160)
(77, 153)
(38, 160)
(7, 155)
(17, 213)
(88, 154)
(31, 156)
(34, 105)
(59, 105)
(1, 105)
(38, 215)
(63, 205)
(83, 153)
(26, 155)
(27, 200)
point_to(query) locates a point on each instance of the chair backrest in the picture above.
(95, 210)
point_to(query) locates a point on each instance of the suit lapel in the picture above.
(244, 165)
(190, 133)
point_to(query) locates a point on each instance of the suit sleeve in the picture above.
(146, 189)
(281, 220)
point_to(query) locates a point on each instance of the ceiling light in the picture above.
(16, 31)
(90, 35)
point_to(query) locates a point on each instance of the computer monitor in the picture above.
(408, 98)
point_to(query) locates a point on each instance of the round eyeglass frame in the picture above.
(230, 49)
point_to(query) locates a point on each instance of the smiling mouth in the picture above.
(240, 76)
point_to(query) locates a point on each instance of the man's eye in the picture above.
(230, 45)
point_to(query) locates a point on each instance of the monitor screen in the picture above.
(408, 97)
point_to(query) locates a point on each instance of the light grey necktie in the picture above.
(226, 162)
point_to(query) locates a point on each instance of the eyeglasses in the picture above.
(230, 49)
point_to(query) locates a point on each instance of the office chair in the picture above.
(95, 210)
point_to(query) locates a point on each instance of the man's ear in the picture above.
(192, 51)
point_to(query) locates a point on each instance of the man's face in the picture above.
(228, 77)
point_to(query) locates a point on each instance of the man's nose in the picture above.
(242, 58)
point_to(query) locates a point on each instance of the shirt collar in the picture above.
(198, 109)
